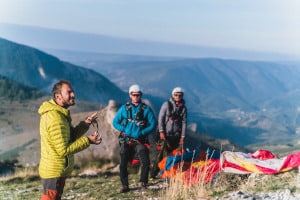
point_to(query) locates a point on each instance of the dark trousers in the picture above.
(53, 188)
(127, 152)
(167, 146)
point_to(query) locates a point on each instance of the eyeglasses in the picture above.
(177, 95)
(135, 95)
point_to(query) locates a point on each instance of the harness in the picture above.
(140, 121)
(139, 116)
(173, 113)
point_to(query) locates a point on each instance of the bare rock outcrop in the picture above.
(109, 148)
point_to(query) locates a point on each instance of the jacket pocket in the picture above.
(67, 162)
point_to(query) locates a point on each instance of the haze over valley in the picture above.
(240, 100)
(251, 103)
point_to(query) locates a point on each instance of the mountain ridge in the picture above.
(227, 99)
(35, 68)
(45, 38)
(245, 97)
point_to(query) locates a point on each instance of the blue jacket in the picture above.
(126, 121)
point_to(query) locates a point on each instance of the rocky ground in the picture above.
(279, 195)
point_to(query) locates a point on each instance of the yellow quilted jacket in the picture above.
(59, 140)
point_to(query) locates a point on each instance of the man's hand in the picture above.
(95, 138)
(181, 141)
(162, 135)
(88, 120)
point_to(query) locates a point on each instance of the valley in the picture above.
(246, 104)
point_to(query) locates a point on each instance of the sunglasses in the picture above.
(136, 95)
(178, 95)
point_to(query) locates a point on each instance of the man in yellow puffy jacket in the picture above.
(60, 140)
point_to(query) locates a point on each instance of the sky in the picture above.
(261, 25)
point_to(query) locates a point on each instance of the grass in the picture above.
(190, 183)
(104, 183)
(25, 184)
(80, 188)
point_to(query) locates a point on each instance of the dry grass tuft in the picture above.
(224, 183)
(192, 183)
(27, 173)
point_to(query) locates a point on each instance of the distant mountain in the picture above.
(37, 69)
(231, 83)
(43, 38)
(244, 101)
(247, 102)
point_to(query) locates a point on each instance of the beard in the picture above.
(68, 102)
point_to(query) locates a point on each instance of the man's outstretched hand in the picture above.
(90, 119)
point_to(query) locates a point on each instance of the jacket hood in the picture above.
(52, 106)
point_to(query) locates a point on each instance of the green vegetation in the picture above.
(13, 91)
(104, 183)
(25, 184)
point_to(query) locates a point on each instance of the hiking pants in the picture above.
(53, 188)
(126, 154)
(172, 142)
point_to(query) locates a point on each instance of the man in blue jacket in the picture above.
(135, 120)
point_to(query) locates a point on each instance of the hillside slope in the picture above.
(35, 68)
(11, 90)
(247, 102)
(20, 139)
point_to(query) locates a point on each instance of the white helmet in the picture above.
(135, 88)
(177, 89)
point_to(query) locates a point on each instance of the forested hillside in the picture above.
(35, 68)
(13, 91)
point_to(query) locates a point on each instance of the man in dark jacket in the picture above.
(172, 121)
